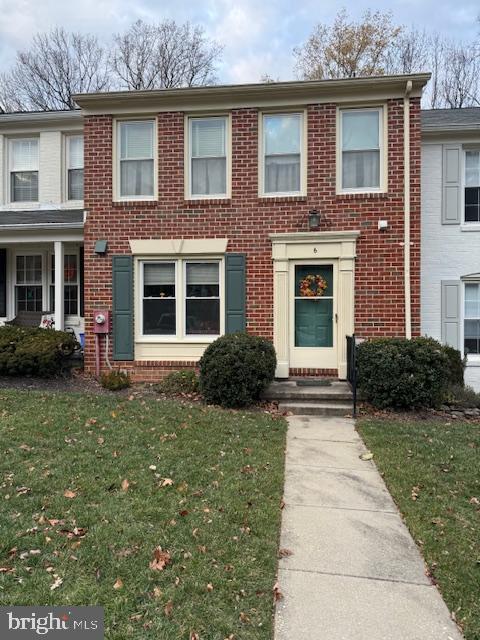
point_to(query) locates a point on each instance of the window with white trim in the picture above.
(23, 160)
(181, 298)
(208, 144)
(74, 154)
(136, 165)
(471, 326)
(28, 283)
(282, 153)
(472, 186)
(361, 135)
(71, 284)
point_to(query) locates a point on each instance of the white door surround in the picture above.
(338, 247)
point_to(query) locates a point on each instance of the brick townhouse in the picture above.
(290, 209)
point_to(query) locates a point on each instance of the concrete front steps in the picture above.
(311, 396)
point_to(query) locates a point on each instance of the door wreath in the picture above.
(313, 286)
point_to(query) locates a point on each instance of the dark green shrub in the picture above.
(463, 397)
(236, 368)
(27, 351)
(456, 366)
(178, 382)
(400, 373)
(115, 380)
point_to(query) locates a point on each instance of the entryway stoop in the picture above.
(311, 396)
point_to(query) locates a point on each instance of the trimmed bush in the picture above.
(179, 382)
(27, 351)
(403, 374)
(463, 397)
(115, 380)
(236, 368)
(456, 366)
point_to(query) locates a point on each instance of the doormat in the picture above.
(314, 383)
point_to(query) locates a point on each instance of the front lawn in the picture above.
(432, 469)
(91, 486)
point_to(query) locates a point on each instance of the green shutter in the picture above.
(235, 279)
(122, 274)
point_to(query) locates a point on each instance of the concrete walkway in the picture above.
(355, 572)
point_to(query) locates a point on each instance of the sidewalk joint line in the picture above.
(326, 506)
(350, 575)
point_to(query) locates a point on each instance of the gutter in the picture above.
(43, 225)
(406, 200)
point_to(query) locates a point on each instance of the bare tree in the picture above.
(347, 48)
(460, 83)
(165, 55)
(410, 52)
(57, 65)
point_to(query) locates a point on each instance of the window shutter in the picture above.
(3, 283)
(235, 279)
(451, 196)
(451, 313)
(122, 273)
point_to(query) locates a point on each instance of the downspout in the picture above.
(406, 200)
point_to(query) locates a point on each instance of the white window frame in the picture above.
(27, 203)
(180, 300)
(466, 226)
(383, 148)
(188, 156)
(116, 161)
(472, 358)
(74, 251)
(67, 139)
(43, 280)
(303, 153)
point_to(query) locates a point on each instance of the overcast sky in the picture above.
(258, 35)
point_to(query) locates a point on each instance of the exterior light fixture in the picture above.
(313, 219)
(100, 247)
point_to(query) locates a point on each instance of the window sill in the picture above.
(358, 195)
(473, 226)
(299, 197)
(195, 202)
(177, 341)
(473, 362)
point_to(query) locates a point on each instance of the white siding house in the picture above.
(450, 249)
(41, 217)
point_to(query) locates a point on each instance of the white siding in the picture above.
(2, 168)
(448, 252)
(50, 174)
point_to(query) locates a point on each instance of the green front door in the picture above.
(313, 313)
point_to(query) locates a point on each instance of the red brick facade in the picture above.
(246, 220)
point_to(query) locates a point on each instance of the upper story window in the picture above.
(282, 150)
(74, 167)
(136, 160)
(472, 186)
(208, 157)
(361, 136)
(23, 153)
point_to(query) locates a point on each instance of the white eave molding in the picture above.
(179, 247)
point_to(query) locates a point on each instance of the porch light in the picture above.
(313, 219)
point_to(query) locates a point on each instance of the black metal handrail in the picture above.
(352, 369)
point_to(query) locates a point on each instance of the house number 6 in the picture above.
(315, 250)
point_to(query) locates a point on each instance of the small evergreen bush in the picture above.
(31, 351)
(456, 366)
(178, 382)
(463, 397)
(403, 374)
(236, 368)
(115, 380)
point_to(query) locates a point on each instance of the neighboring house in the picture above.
(41, 216)
(451, 232)
(201, 218)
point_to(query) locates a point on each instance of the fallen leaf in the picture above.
(366, 456)
(209, 586)
(474, 501)
(6, 570)
(152, 467)
(69, 494)
(284, 553)
(118, 584)
(100, 440)
(194, 636)
(415, 493)
(243, 617)
(23, 490)
(168, 608)
(157, 592)
(57, 582)
(277, 594)
(125, 485)
(167, 482)
(160, 559)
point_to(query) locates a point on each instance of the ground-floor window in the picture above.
(181, 298)
(471, 329)
(28, 283)
(71, 284)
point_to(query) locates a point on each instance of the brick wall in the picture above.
(246, 220)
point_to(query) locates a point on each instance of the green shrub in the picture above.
(456, 366)
(400, 373)
(236, 368)
(463, 397)
(178, 382)
(115, 380)
(27, 351)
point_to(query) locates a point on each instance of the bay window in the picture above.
(28, 283)
(472, 186)
(282, 154)
(361, 134)
(180, 298)
(208, 143)
(74, 153)
(471, 328)
(23, 156)
(136, 163)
